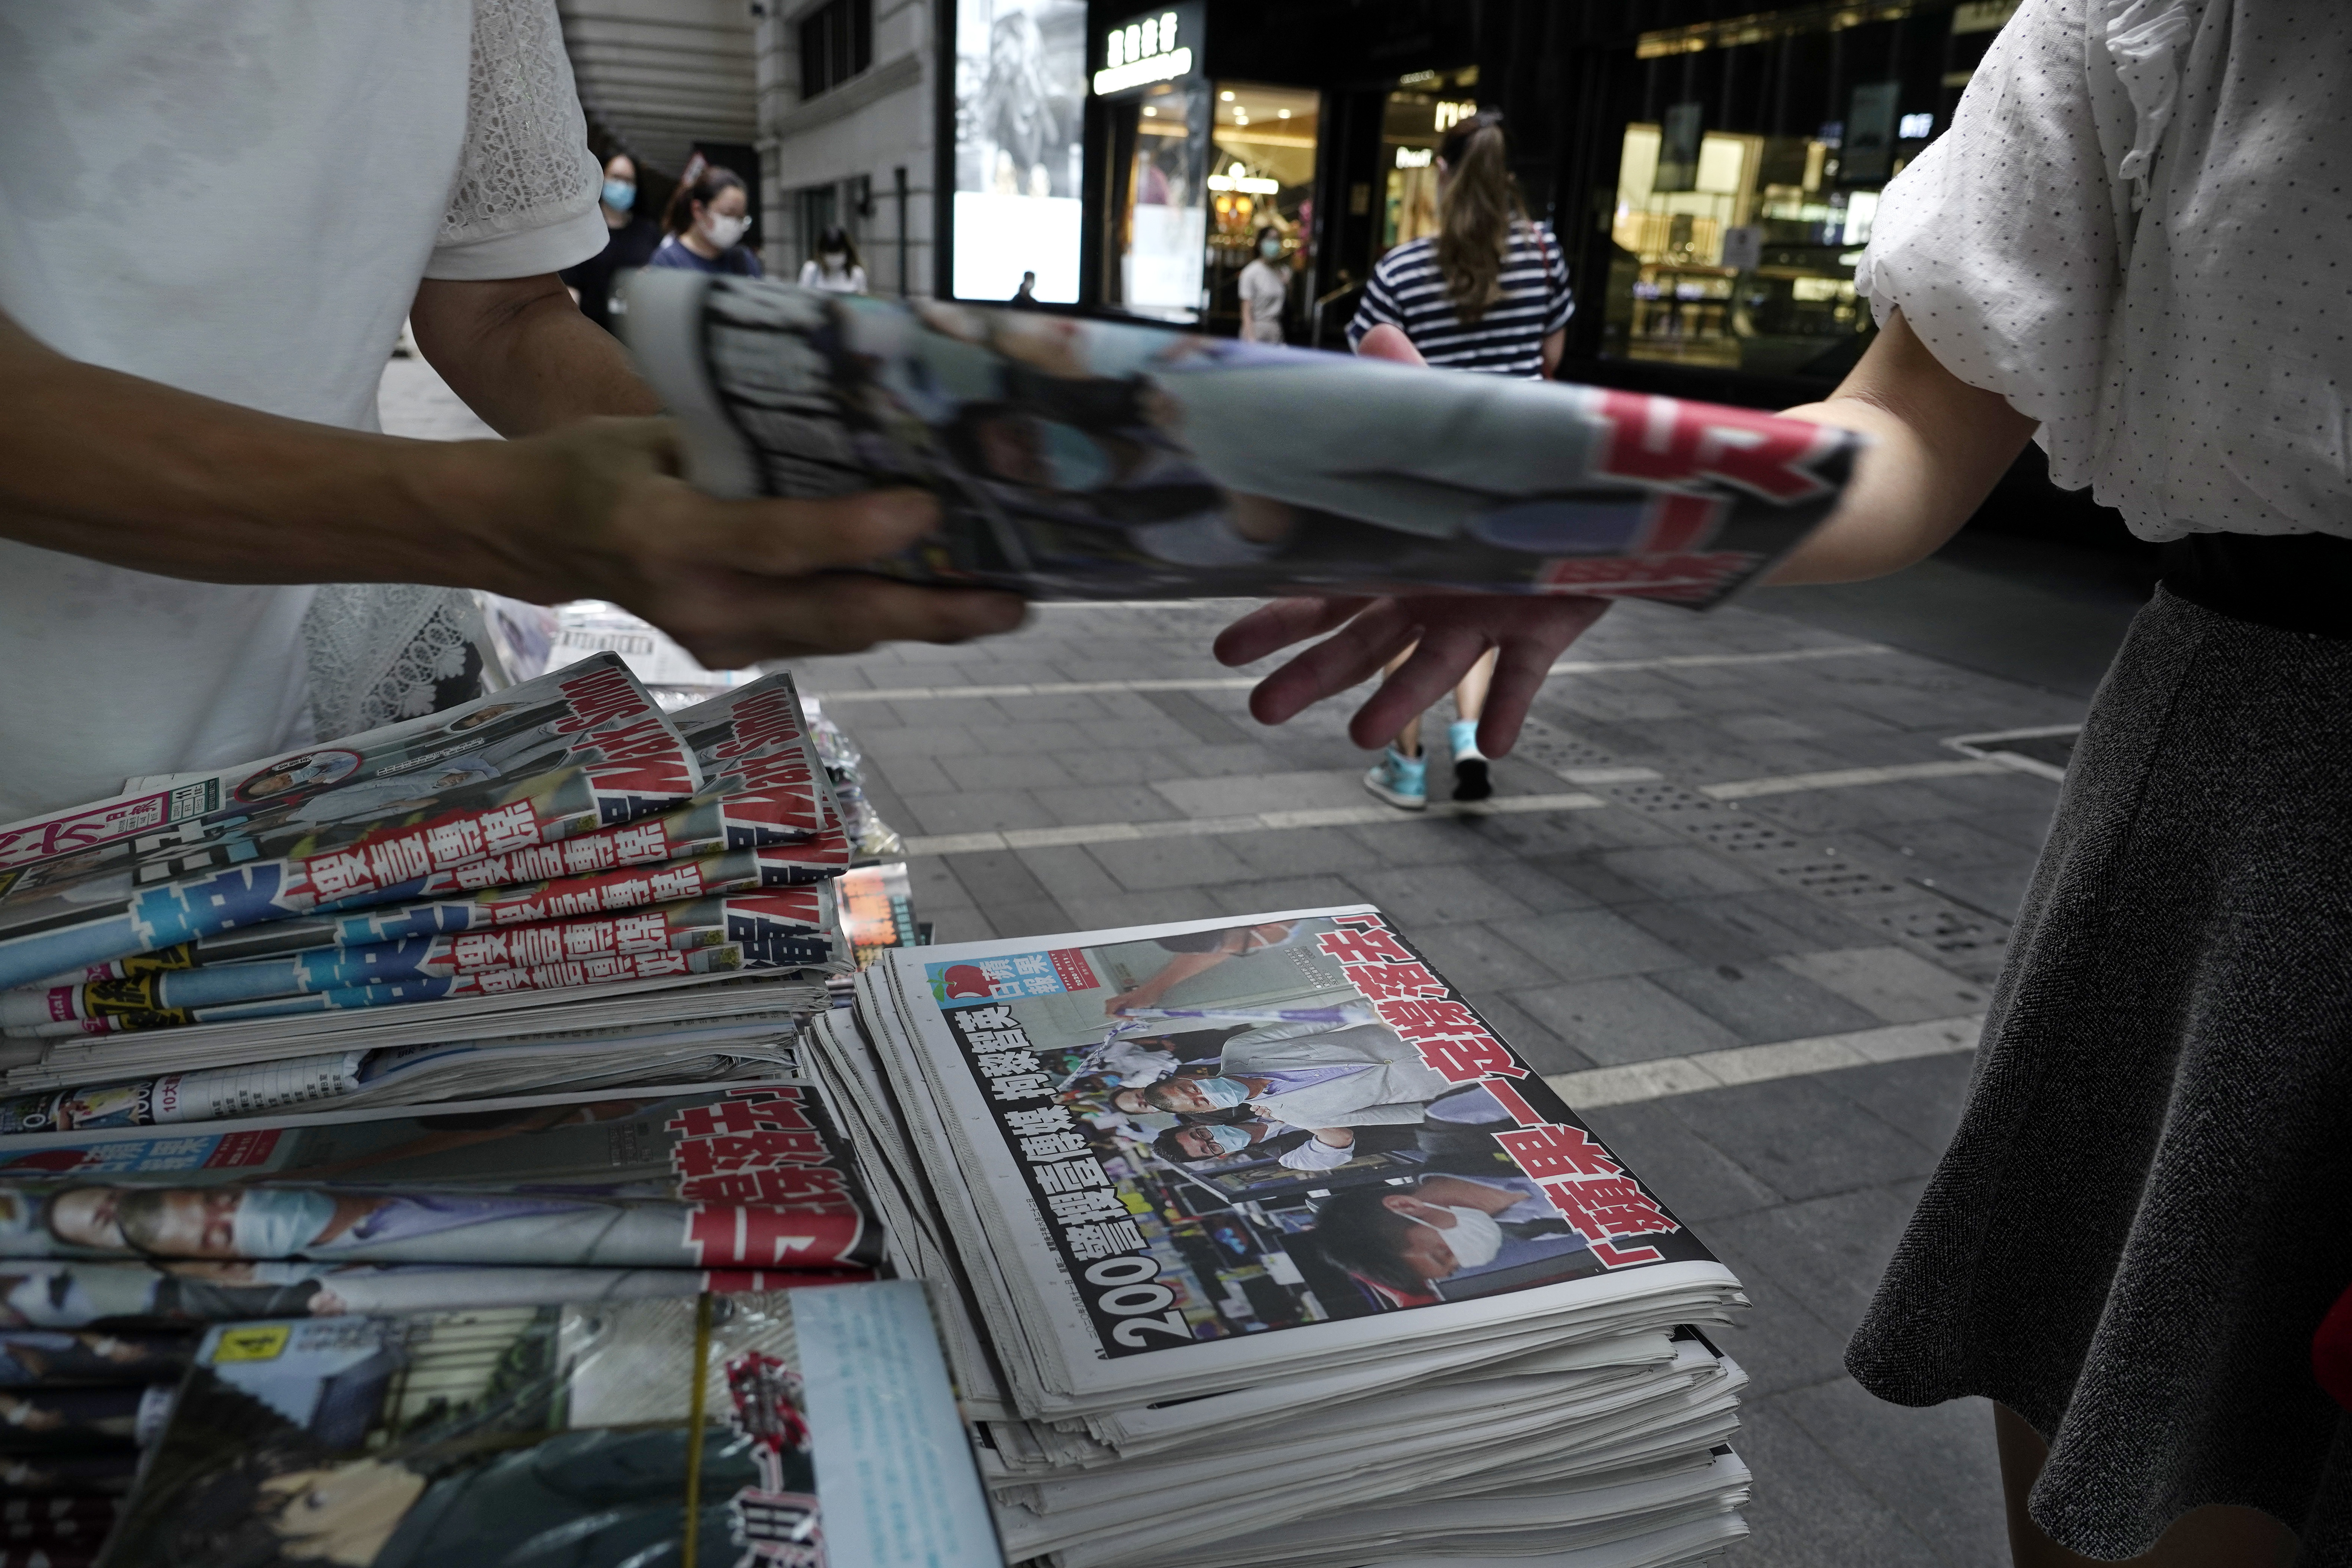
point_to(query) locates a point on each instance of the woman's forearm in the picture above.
(1937, 446)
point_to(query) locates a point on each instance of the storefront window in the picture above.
(1261, 176)
(1416, 119)
(1161, 243)
(1746, 192)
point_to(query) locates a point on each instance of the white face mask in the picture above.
(1474, 1238)
(724, 232)
(279, 1222)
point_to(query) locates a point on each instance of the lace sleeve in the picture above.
(525, 197)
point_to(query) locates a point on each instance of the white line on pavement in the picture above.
(1669, 1075)
(1244, 682)
(1844, 778)
(1256, 822)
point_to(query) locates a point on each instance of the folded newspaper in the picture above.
(793, 1430)
(1217, 1278)
(1093, 459)
(654, 1191)
(702, 916)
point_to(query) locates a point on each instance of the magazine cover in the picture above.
(1091, 460)
(369, 818)
(794, 1430)
(1326, 1132)
(703, 1176)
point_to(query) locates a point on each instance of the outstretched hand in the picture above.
(1453, 631)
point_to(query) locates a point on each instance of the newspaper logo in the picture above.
(105, 822)
(1010, 977)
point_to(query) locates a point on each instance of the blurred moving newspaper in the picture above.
(1092, 460)
(658, 1192)
(509, 960)
(787, 1429)
(1301, 1264)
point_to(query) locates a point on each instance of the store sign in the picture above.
(1414, 157)
(1145, 49)
(1235, 179)
(1450, 113)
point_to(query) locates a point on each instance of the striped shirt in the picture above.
(1407, 292)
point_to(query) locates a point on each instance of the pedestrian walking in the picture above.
(705, 224)
(630, 238)
(1488, 292)
(1265, 288)
(1024, 298)
(834, 267)
(2146, 1212)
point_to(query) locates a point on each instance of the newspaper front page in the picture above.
(1094, 459)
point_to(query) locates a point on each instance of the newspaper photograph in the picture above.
(713, 1176)
(791, 1430)
(369, 818)
(1329, 1133)
(1094, 459)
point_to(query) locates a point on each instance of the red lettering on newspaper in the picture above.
(1691, 577)
(1415, 1000)
(605, 693)
(1589, 1189)
(100, 823)
(733, 1236)
(1662, 441)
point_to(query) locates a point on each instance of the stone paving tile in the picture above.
(1763, 1002)
(1476, 959)
(1304, 851)
(1936, 1468)
(1249, 793)
(1024, 770)
(1285, 893)
(1806, 1140)
(1809, 1510)
(1440, 895)
(974, 811)
(1697, 1181)
(1893, 984)
(1624, 1019)
(1076, 804)
(1585, 945)
(1154, 863)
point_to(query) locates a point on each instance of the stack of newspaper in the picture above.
(1312, 1269)
(558, 884)
(795, 1430)
(75, 1406)
(657, 1193)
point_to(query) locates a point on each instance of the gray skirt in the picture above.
(2147, 1208)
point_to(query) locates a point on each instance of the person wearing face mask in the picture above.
(1437, 1235)
(1265, 288)
(630, 239)
(707, 221)
(1293, 1148)
(834, 267)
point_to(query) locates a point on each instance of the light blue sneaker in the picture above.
(1399, 780)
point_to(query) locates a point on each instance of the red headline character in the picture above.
(1552, 1151)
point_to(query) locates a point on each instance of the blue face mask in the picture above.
(1221, 1093)
(1228, 1140)
(620, 195)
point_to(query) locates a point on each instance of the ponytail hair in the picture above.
(1476, 212)
(702, 184)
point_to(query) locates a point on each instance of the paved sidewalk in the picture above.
(1733, 859)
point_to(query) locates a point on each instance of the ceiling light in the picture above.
(1148, 112)
(1281, 114)
(1227, 97)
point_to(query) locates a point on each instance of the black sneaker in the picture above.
(1470, 780)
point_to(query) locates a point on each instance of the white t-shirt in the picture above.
(2135, 230)
(1264, 286)
(833, 280)
(238, 197)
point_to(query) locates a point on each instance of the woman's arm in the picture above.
(1554, 346)
(1938, 446)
